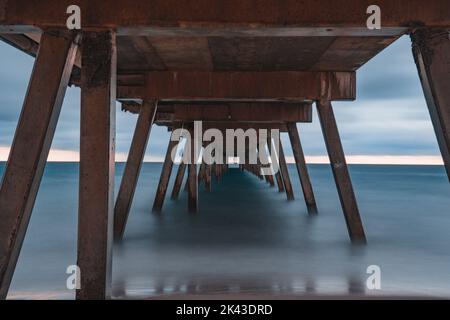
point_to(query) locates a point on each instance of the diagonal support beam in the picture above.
(285, 173)
(258, 166)
(265, 156)
(340, 172)
(280, 183)
(133, 167)
(277, 174)
(431, 49)
(302, 170)
(97, 150)
(166, 172)
(31, 145)
(178, 180)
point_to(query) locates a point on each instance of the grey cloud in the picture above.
(392, 74)
(389, 117)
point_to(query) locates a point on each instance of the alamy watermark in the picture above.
(228, 146)
(374, 20)
(373, 282)
(73, 22)
(73, 281)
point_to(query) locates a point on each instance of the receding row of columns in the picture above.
(204, 174)
(281, 176)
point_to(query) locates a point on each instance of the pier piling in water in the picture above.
(97, 155)
(31, 145)
(133, 165)
(431, 49)
(340, 172)
(302, 170)
(166, 172)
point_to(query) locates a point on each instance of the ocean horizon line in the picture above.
(288, 162)
(59, 155)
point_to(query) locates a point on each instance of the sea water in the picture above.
(248, 240)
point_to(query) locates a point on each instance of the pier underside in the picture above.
(231, 65)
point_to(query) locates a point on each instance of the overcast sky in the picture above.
(389, 117)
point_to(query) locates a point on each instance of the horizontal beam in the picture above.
(245, 112)
(191, 86)
(132, 93)
(233, 125)
(230, 112)
(133, 15)
(221, 85)
(229, 86)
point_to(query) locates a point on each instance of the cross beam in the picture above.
(230, 112)
(248, 86)
(245, 112)
(282, 127)
(186, 17)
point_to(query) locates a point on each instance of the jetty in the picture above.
(230, 64)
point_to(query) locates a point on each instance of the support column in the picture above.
(340, 172)
(201, 173)
(133, 167)
(270, 180)
(431, 49)
(268, 177)
(192, 176)
(186, 184)
(280, 183)
(165, 178)
(218, 172)
(302, 170)
(258, 166)
(31, 145)
(97, 149)
(205, 170)
(285, 173)
(208, 178)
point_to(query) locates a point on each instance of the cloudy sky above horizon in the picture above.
(389, 117)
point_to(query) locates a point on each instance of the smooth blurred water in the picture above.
(247, 240)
